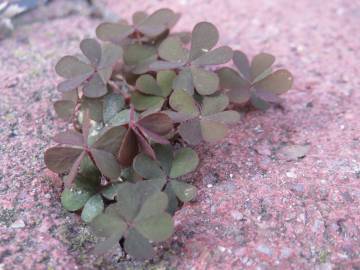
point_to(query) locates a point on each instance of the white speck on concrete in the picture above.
(18, 224)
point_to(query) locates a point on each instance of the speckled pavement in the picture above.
(255, 209)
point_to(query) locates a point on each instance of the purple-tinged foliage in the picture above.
(133, 101)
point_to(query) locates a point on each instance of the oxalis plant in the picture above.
(137, 102)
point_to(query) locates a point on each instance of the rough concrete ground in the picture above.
(255, 208)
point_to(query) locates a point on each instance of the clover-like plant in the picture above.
(191, 63)
(165, 171)
(137, 103)
(255, 81)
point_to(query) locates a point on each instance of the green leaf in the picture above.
(185, 160)
(106, 163)
(156, 228)
(259, 103)
(108, 224)
(230, 79)
(138, 246)
(110, 55)
(147, 167)
(88, 169)
(110, 139)
(213, 131)
(183, 102)
(93, 207)
(144, 102)
(138, 17)
(153, 206)
(64, 108)
(226, 117)
(185, 192)
(218, 56)
(74, 170)
(95, 87)
(121, 118)
(70, 67)
(74, 198)
(173, 204)
(277, 83)
(191, 132)
(110, 191)
(91, 49)
(128, 149)
(107, 244)
(205, 82)
(135, 54)
(165, 80)
(159, 123)
(214, 104)
(171, 50)
(112, 104)
(184, 81)
(60, 159)
(114, 32)
(95, 107)
(148, 85)
(130, 197)
(157, 22)
(69, 137)
(239, 96)
(164, 155)
(242, 64)
(260, 64)
(204, 37)
(73, 83)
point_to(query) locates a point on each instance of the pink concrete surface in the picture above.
(255, 209)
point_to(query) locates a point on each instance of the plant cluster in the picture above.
(137, 101)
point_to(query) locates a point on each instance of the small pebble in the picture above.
(291, 174)
(236, 215)
(264, 249)
(18, 224)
